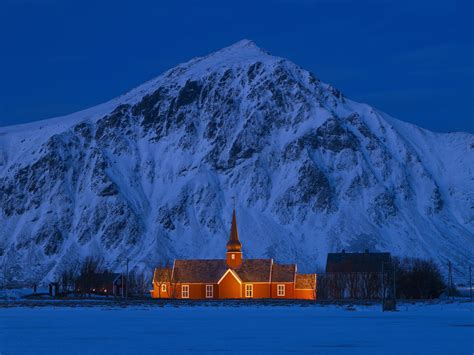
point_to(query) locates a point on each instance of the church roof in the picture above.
(252, 270)
(211, 270)
(305, 281)
(162, 274)
(255, 270)
(199, 271)
(283, 273)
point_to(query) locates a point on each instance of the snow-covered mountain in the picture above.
(150, 175)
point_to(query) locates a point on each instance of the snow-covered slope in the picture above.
(150, 175)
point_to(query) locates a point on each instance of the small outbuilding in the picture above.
(104, 283)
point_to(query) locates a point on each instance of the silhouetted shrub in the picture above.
(418, 279)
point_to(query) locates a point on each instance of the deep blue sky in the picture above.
(412, 59)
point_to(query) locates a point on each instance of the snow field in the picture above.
(414, 329)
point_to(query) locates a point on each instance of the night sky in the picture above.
(412, 59)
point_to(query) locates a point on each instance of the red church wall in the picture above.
(158, 293)
(260, 290)
(230, 287)
(195, 291)
(289, 290)
(305, 294)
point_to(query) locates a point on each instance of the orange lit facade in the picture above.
(233, 277)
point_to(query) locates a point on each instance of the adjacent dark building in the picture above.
(365, 262)
(364, 275)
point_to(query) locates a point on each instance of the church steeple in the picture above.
(234, 243)
(234, 246)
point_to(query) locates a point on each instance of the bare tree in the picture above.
(89, 267)
(337, 285)
(68, 278)
(138, 283)
(353, 284)
(356, 285)
(418, 279)
(370, 283)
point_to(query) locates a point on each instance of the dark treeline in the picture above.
(91, 277)
(418, 279)
(414, 279)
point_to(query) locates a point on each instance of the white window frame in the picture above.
(184, 291)
(163, 287)
(249, 290)
(280, 290)
(232, 256)
(209, 291)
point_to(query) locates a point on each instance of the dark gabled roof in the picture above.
(199, 271)
(305, 281)
(357, 262)
(211, 270)
(283, 273)
(162, 274)
(255, 270)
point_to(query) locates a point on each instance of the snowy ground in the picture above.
(423, 329)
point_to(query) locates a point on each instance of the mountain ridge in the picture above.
(149, 175)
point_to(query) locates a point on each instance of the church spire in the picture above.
(234, 244)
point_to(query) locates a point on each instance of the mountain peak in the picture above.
(244, 44)
(242, 51)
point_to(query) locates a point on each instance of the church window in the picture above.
(185, 291)
(280, 290)
(249, 290)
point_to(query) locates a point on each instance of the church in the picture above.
(233, 277)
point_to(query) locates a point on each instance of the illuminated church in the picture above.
(233, 277)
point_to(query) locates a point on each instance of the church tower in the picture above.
(234, 246)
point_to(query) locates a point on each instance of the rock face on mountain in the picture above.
(150, 175)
